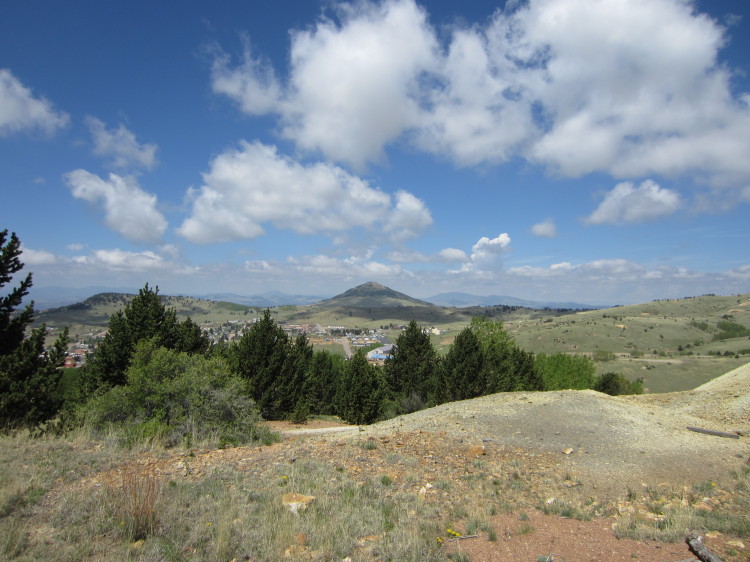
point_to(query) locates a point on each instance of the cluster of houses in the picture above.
(232, 330)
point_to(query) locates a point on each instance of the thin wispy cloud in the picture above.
(121, 146)
(21, 110)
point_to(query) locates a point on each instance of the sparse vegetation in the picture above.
(679, 514)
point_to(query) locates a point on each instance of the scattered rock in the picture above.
(567, 451)
(296, 502)
(477, 451)
(298, 552)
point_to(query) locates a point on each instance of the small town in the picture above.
(375, 342)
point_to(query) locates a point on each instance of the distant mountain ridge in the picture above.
(461, 300)
(370, 294)
(265, 300)
(375, 295)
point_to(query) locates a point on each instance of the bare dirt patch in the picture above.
(548, 537)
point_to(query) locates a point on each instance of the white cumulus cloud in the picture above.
(117, 259)
(353, 85)
(254, 185)
(486, 246)
(627, 203)
(121, 145)
(252, 84)
(20, 110)
(545, 229)
(342, 268)
(128, 209)
(483, 255)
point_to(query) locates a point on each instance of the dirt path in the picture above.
(347, 348)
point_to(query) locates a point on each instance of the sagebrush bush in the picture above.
(174, 397)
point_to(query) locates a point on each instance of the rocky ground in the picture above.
(535, 452)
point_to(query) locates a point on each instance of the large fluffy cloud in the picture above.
(353, 86)
(20, 110)
(128, 209)
(254, 185)
(626, 87)
(121, 146)
(627, 203)
(484, 253)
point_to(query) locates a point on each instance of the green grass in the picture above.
(672, 374)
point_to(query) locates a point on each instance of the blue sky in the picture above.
(544, 149)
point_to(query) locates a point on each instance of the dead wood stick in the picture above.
(695, 542)
(713, 432)
(462, 537)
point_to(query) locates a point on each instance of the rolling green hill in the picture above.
(93, 314)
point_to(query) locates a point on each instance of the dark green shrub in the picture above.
(728, 330)
(562, 371)
(176, 397)
(301, 413)
(616, 384)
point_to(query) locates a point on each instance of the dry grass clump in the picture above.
(132, 503)
(688, 512)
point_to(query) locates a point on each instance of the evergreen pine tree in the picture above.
(259, 357)
(322, 381)
(29, 375)
(411, 367)
(293, 377)
(191, 339)
(360, 391)
(462, 369)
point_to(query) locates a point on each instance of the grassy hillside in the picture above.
(671, 344)
(93, 314)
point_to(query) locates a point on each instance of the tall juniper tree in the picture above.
(29, 374)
